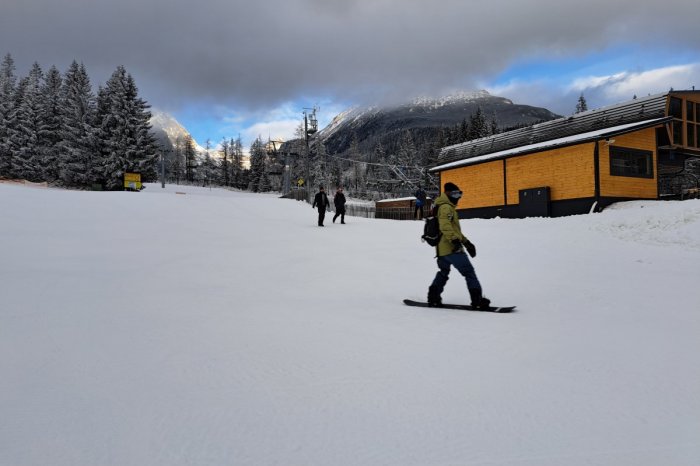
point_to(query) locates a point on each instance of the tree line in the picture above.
(55, 128)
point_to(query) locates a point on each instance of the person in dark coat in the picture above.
(339, 201)
(421, 197)
(321, 201)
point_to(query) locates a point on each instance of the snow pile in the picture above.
(218, 327)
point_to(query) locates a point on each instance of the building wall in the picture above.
(481, 184)
(624, 186)
(568, 171)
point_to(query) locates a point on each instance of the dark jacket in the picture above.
(339, 201)
(321, 200)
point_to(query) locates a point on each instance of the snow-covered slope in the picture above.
(219, 327)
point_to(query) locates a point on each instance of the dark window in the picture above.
(677, 127)
(690, 128)
(675, 108)
(631, 162)
(690, 111)
(697, 112)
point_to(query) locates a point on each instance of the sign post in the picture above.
(132, 181)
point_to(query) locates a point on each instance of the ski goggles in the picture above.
(455, 194)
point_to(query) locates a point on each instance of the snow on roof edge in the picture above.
(546, 144)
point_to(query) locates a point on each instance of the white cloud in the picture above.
(599, 91)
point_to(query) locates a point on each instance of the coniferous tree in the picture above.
(125, 139)
(581, 105)
(178, 160)
(78, 147)
(225, 152)
(257, 164)
(51, 124)
(477, 125)
(25, 126)
(463, 131)
(208, 168)
(190, 158)
(8, 83)
(237, 163)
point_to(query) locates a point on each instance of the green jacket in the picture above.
(449, 226)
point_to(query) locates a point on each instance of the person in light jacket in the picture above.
(450, 251)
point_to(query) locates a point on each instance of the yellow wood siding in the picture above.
(481, 184)
(568, 171)
(626, 186)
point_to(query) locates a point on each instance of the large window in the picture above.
(685, 126)
(677, 128)
(675, 108)
(631, 162)
(690, 110)
(690, 134)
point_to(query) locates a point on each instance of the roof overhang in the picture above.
(554, 143)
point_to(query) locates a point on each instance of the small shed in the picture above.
(403, 208)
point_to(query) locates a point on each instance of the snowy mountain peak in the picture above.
(451, 99)
(167, 129)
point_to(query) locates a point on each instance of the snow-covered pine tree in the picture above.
(264, 184)
(124, 137)
(177, 164)
(225, 166)
(189, 155)
(237, 162)
(208, 166)
(8, 82)
(78, 148)
(51, 124)
(25, 126)
(257, 163)
(477, 126)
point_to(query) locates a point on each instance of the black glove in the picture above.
(471, 249)
(456, 245)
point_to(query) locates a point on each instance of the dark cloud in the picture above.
(260, 53)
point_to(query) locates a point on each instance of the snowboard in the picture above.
(462, 307)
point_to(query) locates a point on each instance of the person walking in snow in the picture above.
(339, 201)
(450, 251)
(420, 202)
(321, 200)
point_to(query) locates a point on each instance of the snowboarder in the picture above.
(321, 200)
(420, 202)
(450, 251)
(339, 201)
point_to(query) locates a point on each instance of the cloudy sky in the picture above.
(228, 67)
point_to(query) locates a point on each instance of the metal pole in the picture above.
(162, 169)
(308, 157)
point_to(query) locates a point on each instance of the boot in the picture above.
(478, 301)
(434, 298)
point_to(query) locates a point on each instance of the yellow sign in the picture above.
(300, 182)
(132, 181)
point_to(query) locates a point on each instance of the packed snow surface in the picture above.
(226, 328)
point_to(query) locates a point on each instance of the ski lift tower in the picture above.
(310, 128)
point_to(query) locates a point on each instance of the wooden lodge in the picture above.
(582, 163)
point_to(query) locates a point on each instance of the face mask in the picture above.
(454, 194)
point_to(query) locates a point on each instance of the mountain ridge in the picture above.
(424, 117)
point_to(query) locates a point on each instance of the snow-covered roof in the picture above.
(631, 111)
(578, 138)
